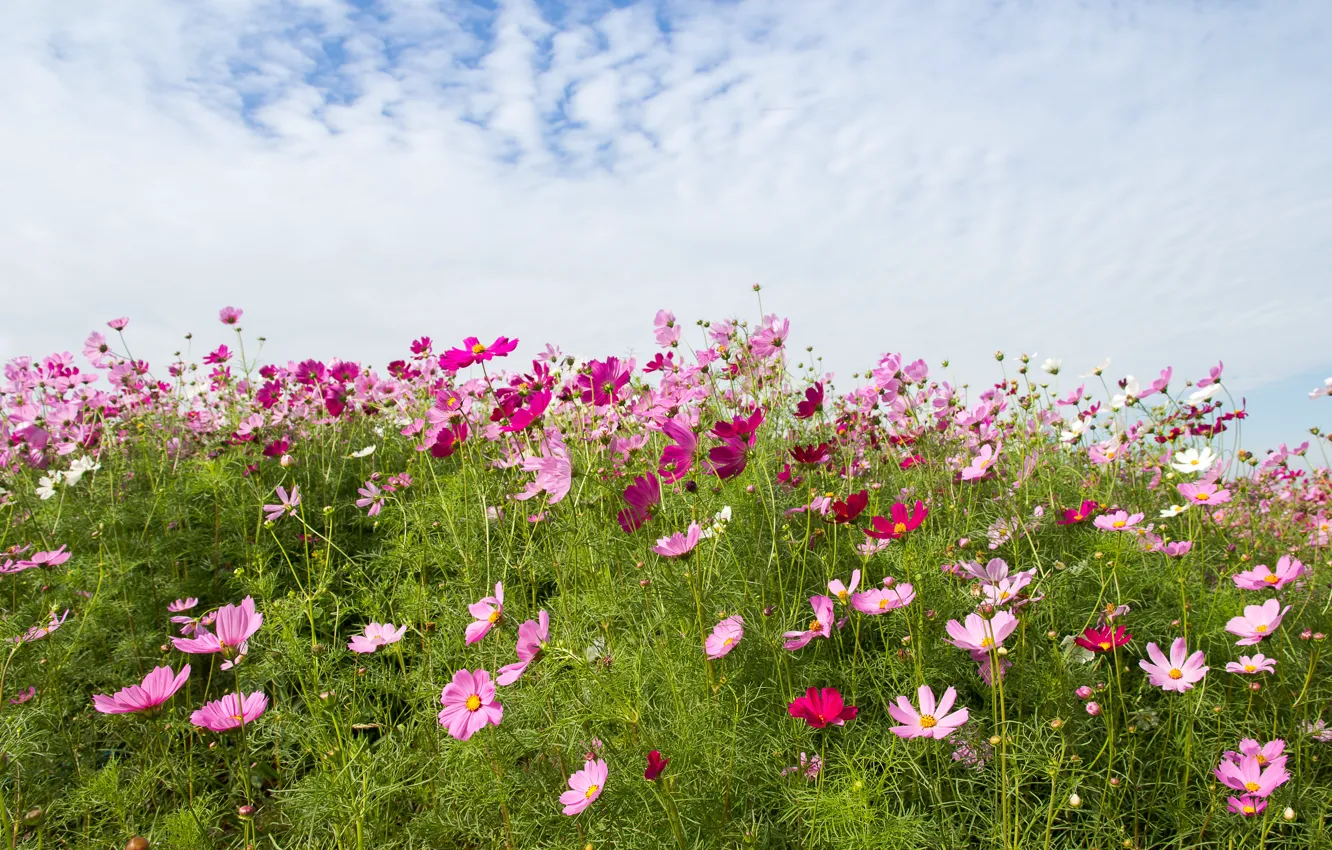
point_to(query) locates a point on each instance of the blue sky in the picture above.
(1149, 182)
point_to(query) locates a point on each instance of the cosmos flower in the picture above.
(1249, 665)
(287, 504)
(932, 721)
(900, 524)
(812, 403)
(157, 687)
(725, 636)
(473, 351)
(1103, 639)
(655, 765)
(1079, 514)
(485, 612)
(1117, 521)
(1193, 460)
(232, 627)
(469, 704)
(1257, 622)
(819, 627)
(882, 600)
(375, 636)
(585, 786)
(1288, 569)
(532, 637)
(820, 708)
(978, 634)
(678, 545)
(1180, 672)
(229, 713)
(1203, 494)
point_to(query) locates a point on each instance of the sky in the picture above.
(1145, 181)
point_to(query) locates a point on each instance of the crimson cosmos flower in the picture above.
(1103, 639)
(901, 523)
(820, 708)
(813, 402)
(655, 765)
(847, 511)
(810, 455)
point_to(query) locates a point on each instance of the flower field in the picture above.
(491, 595)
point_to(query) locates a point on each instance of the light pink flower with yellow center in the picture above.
(486, 612)
(1257, 623)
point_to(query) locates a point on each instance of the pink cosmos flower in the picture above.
(1287, 570)
(118, 324)
(554, 471)
(602, 383)
(469, 704)
(1273, 752)
(24, 695)
(1179, 673)
(232, 627)
(1246, 805)
(287, 503)
(230, 315)
(980, 464)
(585, 786)
(1249, 665)
(1249, 775)
(768, 342)
(182, 605)
(820, 708)
(978, 634)
(841, 591)
(229, 713)
(1176, 548)
(158, 687)
(665, 329)
(1257, 623)
(1203, 494)
(1006, 590)
(36, 633)
(819, 627)
(725, 636)
(1103, 639)
(932, 721)
(371, 497)
(485, 612)
(677, 458)
(1117, 521)
(678, 545)
(641, 495)
(882, 600)
(532, 637)
(50, 559)
(375, 636)
(473, 351)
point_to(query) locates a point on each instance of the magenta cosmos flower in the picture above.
(1258, 622)
(882, 600)
(469, 704)
(899, 524)
(1246, 805)
(642, 495)
(656, 763)
(1103, 639)
(1180, 672)
(932, 721)
(229, 713)
(678, 545)
(474, 351)
(978, 634)
(725, 636)
(486, 612)
(1250, 665)
(1248, 774)
(677, 458)
(232, 627)
(819, 627)
(230, 315)
(604, 381)
(585, 786)
(1203, 494)
(1287, 570)
(532, 637)
(375, 636)
(1081, 513)
(813, 402)
(820, 708)
(158, 687)
(1117, 521)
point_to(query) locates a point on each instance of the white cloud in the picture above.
(1147, 180)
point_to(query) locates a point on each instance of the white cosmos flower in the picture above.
(45, 488)
(1173, 510)
(1324, 390)
(1202, 395)
(1051, 365)
(719, 521)
(1193, 460)
(1097, 370)
(77, 468)
(365, 452)
(1073, 431)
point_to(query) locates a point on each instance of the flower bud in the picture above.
(644, 582)
(33, 817)
(246, 811)
(995, 740)
(1074, 801)
(1084, 693)
(1114, 782)
(1052, 634)
(1255, 687)
(138, 842)
(1056, 723)
(1288, 814)
(1094, 709)
(1001, 651)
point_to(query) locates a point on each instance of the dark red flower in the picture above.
(901, 523)
(822, 708)
(810, 455)
(739, 427)
(655, 765)
(813, 403)
(1103, 639)
(844, 512)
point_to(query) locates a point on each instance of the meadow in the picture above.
(492, 595)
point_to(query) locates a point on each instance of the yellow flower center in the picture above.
(1193, 462)
(1176, 673)
(728, 641)
(986, 643)
(815, 625)
(237, 718)
(494, 616)
(1260, 629)
(1004, 594)
(1261, 759)
(842, 594)
(1202, 497)
(927, 721)
(473, 702)
(1271, 578)
(1105, 646)
(899, 528)
(1249, 668)
(1250, 786)
(883, 603)
(1248, 809)
(1119, 523)
(591, 791)
(477, 348)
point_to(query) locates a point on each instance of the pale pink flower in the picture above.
(232, 627)
(819, 627)
(182, 605)
(371, 497)
(554, 471)
(158, 687)
(1258, 622)
(932, 721)
(287, 503)
(230, 315)
(981, 463)
(882, 600)
(1203, 494)
(50, 559)
(532, 637)
(118, 324)
(842, 591)
(978, 634)
(485, 612)
(1257, 664)
(469, 704)
(678, 545)
(1287, 570)
(375, 636)
(36, 633)
(725, 636)
(229, 713)
(585, 786)
(1117, 521)
(1180, 672)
